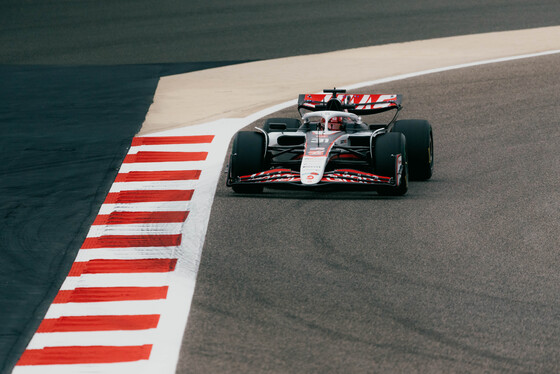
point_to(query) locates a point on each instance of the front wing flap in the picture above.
(340, 176)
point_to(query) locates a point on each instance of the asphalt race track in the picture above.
(459, 275)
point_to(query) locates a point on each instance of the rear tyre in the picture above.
(281, 125)
(387, 147)
(419, 147)
(247, 157)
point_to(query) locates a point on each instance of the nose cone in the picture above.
(312, 169)
(311, 178)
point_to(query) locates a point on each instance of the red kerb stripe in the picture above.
(99, 323)
(85, 355)
(146, 196)
(100, 266)
(155, 140)
(120, 218)
(143, 156)
(122, 241)
(148, 176)
(103, 294)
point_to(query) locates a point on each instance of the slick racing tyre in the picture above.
(281, 125)
(387, 147)
(419, 147)
(247, 157)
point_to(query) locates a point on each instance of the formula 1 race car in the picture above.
(331, 145)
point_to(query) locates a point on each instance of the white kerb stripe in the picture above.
(108, 308)
(129, 253)
(154, 185)
(201, 147)
(136, 229)
(117, 280)
(91, 338)
(162, 166)
(158, 206)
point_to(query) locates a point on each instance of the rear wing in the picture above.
(363, 104)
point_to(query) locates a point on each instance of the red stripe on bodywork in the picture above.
(156, 140)
(146, 196)
(165, 157)
(104, 294)
(121, 241)
(148, 176)
(346, 156)
(101, 266)
(99, 323)
(84, 355)
(122, 218)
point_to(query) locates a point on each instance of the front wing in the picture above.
(340, 176)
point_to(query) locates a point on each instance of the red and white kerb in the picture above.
(123, 306)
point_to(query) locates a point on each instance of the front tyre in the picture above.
(247, 157)
(419, 147)
(388, 147)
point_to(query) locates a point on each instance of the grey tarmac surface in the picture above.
(460, 275)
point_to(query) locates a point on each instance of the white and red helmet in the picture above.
(336, 124)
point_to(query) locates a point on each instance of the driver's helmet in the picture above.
(336, 124)
(321, 125)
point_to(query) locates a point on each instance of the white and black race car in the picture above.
(331, 145)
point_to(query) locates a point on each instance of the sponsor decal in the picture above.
(374, 101)
(316, 152)
(313, 163)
